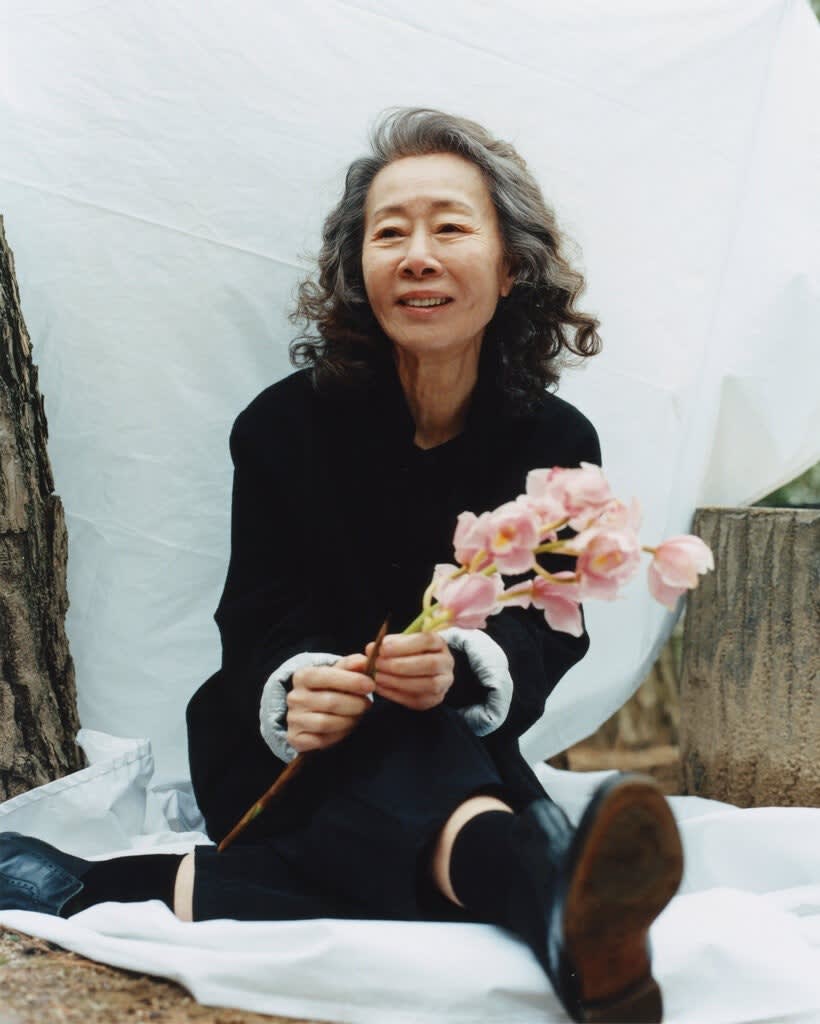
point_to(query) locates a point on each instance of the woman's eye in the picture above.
(387, 233)
(450, 227)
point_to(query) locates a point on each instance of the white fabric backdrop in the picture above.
(164, 166)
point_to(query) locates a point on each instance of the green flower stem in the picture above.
(417, 625)
(553, 545)
(439, 623)
(552, 577)
(428, 623)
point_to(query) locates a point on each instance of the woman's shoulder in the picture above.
(558, 422)
(276, 417)
(289, 396)
(552, 408)
(286, 402)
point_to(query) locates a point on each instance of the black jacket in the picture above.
(337, 520)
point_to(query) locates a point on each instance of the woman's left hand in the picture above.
(414, 670)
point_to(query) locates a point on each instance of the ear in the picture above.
(507, 279)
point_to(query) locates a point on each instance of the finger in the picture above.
(329, 677)
(303, 742)
(320, 723)
(415, 665)
(331, 702)
(437, 685)
(397, 644)
(352, 662)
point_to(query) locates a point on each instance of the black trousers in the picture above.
(359, 825)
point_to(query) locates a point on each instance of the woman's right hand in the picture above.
(326, 702)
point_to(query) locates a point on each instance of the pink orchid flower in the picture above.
(675, 567)
(617, 516)
(468, 599)
(472, 537)
(545, 497)
(513, 535)
(606, 560)
(518, 596)
(583, 492)
(560, 603)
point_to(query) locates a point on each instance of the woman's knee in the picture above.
(440, 861)
(184, 889)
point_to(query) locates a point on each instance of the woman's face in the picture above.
(431, 232)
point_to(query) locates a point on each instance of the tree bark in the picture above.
(38, 700)
(750, 681)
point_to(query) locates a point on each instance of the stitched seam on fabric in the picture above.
(29, 888)
(61, 785)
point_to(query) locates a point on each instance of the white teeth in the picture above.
(425, 302)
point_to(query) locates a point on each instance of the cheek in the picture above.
(375, 281)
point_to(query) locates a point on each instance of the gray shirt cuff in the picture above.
(492, 669)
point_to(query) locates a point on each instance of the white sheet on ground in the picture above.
(740, 943)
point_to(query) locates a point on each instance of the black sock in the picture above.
(483, 864)
(126, 880)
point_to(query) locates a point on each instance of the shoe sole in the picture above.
(628, 868)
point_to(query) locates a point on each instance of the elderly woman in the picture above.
(443, 307)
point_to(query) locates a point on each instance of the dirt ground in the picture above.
(43, 984)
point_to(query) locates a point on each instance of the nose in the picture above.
(419, 259)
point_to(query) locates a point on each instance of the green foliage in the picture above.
(802, 492)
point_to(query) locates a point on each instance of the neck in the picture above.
(438, 392)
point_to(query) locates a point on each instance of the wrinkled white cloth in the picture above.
(164, 168)
(739, 944)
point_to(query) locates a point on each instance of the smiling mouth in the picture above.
(424, 303)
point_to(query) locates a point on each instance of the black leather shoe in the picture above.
(37, 876)
(601, 887)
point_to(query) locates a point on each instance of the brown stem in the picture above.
(295, 765)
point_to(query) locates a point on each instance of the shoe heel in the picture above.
(642, 1004)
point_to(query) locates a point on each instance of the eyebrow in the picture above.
(437, 204)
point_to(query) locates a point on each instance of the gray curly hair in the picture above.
(536, 329)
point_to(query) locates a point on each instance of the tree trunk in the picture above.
(38, 700)
(750, 680)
